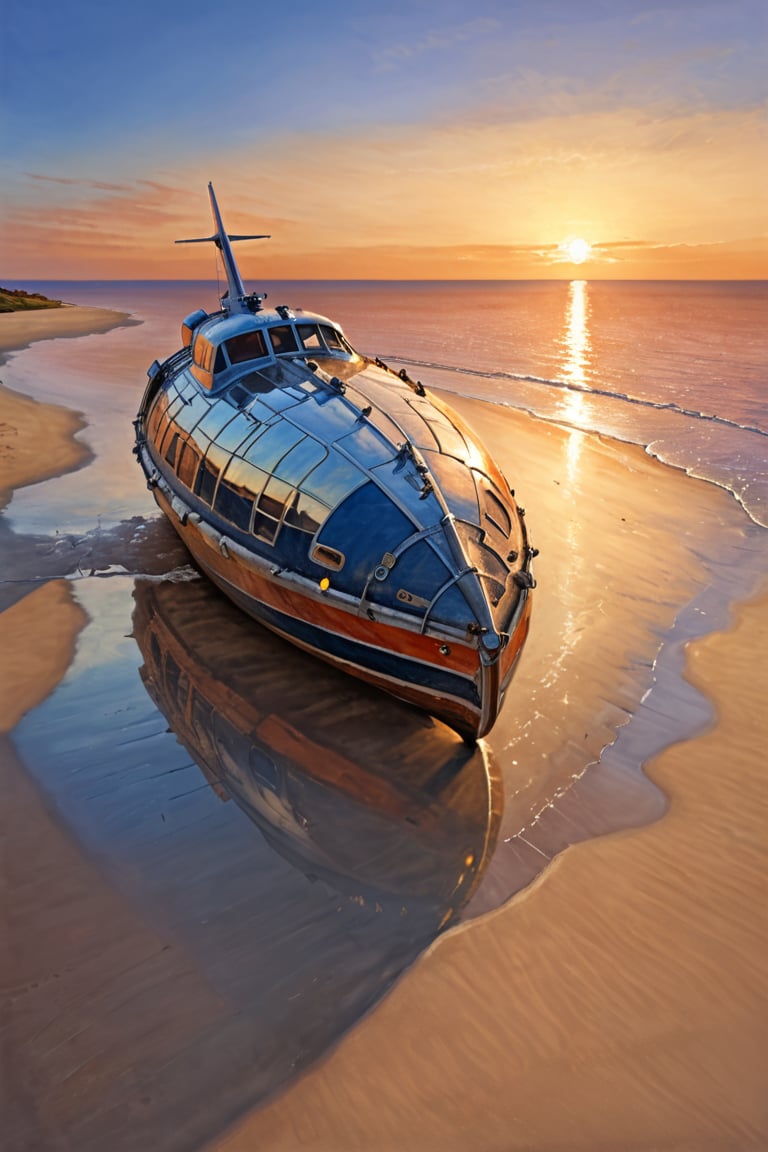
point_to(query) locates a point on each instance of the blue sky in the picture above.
(171, 92)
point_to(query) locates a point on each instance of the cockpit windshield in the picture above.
(310, 337)
(206, 359)
(323, 339)
(332, 338)
(247, 346)
(283, 339)
(313, 338)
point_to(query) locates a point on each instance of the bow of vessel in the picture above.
(339, 503)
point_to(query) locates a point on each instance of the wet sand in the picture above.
(37, 443)
(37, 637)
(615, 1003)
(620, 1003)
(20, 329)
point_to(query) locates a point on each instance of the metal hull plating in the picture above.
(340, 505)
(459, 688)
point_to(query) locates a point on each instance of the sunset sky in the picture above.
(410, 140)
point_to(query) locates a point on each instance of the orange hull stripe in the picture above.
(462, 659)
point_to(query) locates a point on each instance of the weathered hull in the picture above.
(463, 686)
(339, 504)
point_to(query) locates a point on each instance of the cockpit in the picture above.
(234, 341)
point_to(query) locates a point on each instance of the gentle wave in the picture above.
(750, 491)
(587, 390)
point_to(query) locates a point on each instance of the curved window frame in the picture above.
(202, 361)
(284, 328)
(245, 353)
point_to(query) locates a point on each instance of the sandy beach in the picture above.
(620, 1003)
(37, 444)
(616, 1001)
(20, 329)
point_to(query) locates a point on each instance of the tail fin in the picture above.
(236, 298)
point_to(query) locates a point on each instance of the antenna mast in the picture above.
(235, 299)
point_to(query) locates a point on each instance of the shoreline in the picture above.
(416, 1098)
(20, 329)
(37, 442)
(32, 431)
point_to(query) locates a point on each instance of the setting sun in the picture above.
(577, 250)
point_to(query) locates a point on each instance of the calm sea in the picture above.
(678, 367)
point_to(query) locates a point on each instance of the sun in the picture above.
(577, 250)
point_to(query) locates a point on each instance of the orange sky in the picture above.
(476, 147)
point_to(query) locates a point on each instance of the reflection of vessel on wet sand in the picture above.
(349, 785)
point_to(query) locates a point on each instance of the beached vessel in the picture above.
(338, 503)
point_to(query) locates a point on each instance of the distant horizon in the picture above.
(100, 252)
(394, 280)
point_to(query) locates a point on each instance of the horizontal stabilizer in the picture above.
(215, 239)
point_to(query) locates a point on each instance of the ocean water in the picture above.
(680, 368)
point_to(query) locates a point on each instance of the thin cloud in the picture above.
(51, 179)
(158, 187)
(437, 39)
(99, 185)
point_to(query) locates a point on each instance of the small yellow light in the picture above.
(469, 860)
(325, 584)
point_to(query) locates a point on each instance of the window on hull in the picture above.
(274, 497)
(306, 513)
(159, 409)
(272, 443)
(172, 449)
(234, 505)
(188, 465)
(265, 527)
(206, 481)
(333, 479)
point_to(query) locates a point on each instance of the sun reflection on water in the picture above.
(573, 370)
(576, 362)
(576, 340)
